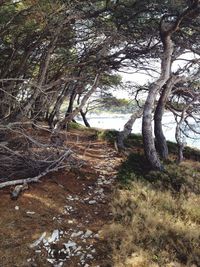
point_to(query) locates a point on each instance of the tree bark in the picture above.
(147, 133)
(161, 143)
(59, 101)
(74, 113)
(83, 115)
(167, 28)
(127, 129)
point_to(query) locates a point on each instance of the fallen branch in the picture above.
(33, 179)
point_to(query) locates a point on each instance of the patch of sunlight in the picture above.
(45, 201)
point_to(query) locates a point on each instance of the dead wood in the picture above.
(27, 156)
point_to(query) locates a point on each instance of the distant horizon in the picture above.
(116, 122)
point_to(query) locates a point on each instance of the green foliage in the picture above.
(75, 125)
(116, 105)
(109, 135)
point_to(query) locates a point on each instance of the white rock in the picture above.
(78, 248)
(70, 244)
(60, 264)
(89, 256)
(54, 237)
(88, 233)
(16, 207)
(51, 260)
(30, 212)
(38, 241)
(96, 236)
(77, 234)
(91, 202)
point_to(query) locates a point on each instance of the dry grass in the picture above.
(156, 216)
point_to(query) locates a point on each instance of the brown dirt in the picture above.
(62, 202)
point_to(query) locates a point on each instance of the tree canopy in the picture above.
(53, 51)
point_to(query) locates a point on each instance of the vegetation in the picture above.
(56, 52)
(62, 58)
(156, 214)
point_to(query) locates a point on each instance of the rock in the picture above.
(96, 236)
(38, 241)
(16, 207)
(51, 260)
(70, 244)
(60, 264)
(89, 256)
(30, 212)
(91, 202)
(88, 233)
(54, 237)
(17, 190)
(77, 234)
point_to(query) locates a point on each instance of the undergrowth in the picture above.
(156, 215)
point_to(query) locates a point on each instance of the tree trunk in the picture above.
(161, 143)
(45, 61)
(74, 113)
(127, 129)
(167, 28)
(180, 143)
(71, 102)
(147, 133)
(56, 109)
(83, 115)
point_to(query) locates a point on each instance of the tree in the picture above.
(169, 25)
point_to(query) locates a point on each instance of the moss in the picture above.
(109, 135)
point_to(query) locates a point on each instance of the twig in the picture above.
(33, 179)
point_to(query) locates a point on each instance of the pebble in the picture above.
(91, 202)
(30, 212)
(51, 260)
(77, 234)
(54, 237)
(70, 244)
(88, 233)
(16, 207)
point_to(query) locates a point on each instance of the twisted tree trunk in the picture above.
(127, 129)
(161, 143)
(168, 27)
(147, 132)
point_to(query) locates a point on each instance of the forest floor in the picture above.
(58, 221)
(111, 212)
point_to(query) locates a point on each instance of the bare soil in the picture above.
(58, 221)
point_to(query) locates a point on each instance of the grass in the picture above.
(156, 215)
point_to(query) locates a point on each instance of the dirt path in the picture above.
(58, 222)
